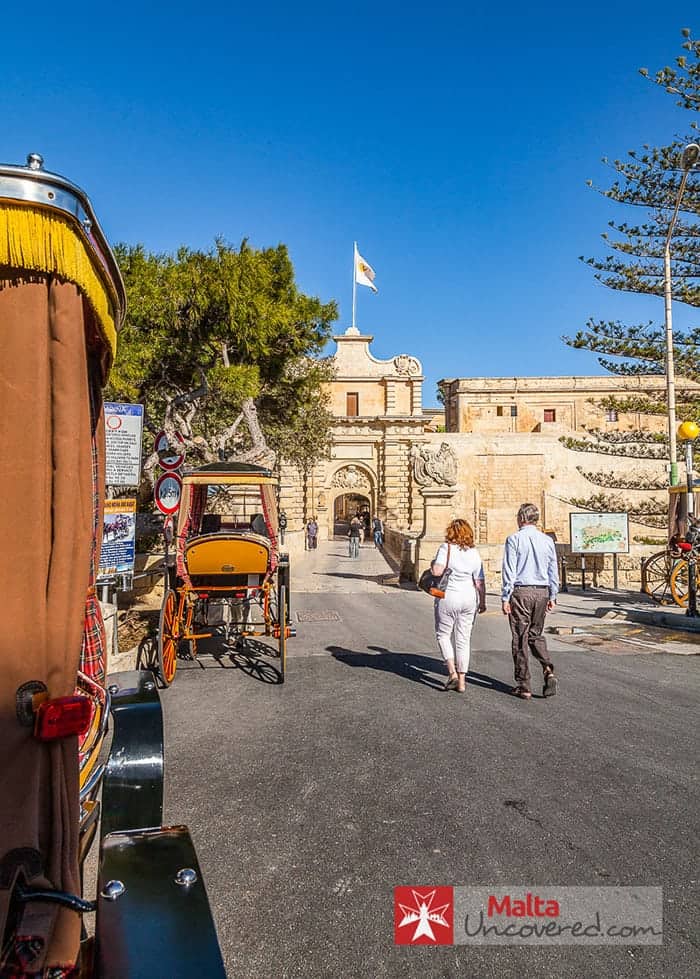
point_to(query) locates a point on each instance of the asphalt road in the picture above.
(310, 801)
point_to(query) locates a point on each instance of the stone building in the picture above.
(499, 446)
(379, 414)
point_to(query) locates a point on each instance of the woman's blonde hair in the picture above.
(459, 532)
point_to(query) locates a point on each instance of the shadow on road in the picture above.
(409, 666)
(488, 682)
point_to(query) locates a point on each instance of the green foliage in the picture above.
(650, 179)
(231, 325)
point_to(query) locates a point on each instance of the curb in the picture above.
(666, 620)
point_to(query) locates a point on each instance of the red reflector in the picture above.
(61, 717)
(684, 546)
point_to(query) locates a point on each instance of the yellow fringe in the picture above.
(40, 241)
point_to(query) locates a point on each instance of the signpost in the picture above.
(167, 492)
(123, 434)
(599, 533)
(175, 459)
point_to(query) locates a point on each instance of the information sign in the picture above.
(599, 533)
(118, 538)
(123, 433)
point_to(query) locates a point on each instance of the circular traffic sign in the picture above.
(172, 461)
(167, 492)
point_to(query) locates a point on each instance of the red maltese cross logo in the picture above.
(423, 916)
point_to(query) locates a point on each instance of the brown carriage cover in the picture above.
(46, 528)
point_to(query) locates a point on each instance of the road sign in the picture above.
(123, 431)
(173, 461)
(167, 492)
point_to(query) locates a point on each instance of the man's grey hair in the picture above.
(528, 513)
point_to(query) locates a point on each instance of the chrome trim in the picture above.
(186, 877)
(51, 191)
(112, 890)
(92, 784)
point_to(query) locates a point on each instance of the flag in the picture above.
(364, 273)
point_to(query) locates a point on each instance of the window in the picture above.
(611, 415)
(499, 410)
(550, 415)
(513, 411)
(352, 404)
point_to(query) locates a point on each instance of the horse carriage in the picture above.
(64, 785)
(665, 573)
(227, 554)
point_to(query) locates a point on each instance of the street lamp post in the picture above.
(689, 158)
(689, 431)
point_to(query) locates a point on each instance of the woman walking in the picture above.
(464, 595)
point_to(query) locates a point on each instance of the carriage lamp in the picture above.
(688, 432)
(61, 717)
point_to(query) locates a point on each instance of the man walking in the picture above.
(530, 580)
(378, 528)
(312, 534)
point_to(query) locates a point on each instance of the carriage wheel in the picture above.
(679, 583)
(282, 620)
(656, 577)
(168, 639)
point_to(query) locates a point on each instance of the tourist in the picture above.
(282, 525)
(530, 580)
(464, 595)
(354, 537)
(378, 529)
(312, 534)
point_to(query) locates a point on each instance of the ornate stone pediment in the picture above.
(406, 365)
(350, 477)
(437, 467)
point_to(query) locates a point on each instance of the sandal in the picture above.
(451, 683)
(550, 684)
(523, 694)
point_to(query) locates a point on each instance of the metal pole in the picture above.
(670, 369)
(354, 280)
(692, 566)
(614, 571)
(583, 572)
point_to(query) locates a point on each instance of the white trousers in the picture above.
(454, 618)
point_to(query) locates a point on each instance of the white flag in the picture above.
(364, 273)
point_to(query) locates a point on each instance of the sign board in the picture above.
(599, 533)
(118, 538)
(171, 461)
(167, 492)
(123, 432)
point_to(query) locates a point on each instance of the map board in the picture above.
(599, 533)
(118, 538)
(123, 432)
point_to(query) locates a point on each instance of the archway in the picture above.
(345, 507)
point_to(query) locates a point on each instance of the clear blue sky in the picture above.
(453, 145)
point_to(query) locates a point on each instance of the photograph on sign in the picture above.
(167, 492)
(175, 459)
(599, 533)
(118, 538)
(123, 434)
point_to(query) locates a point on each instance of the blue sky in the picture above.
(454, 145)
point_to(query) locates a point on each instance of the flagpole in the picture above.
(354, 282)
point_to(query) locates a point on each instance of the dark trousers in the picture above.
(528, 609)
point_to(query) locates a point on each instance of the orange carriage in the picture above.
(227, 553)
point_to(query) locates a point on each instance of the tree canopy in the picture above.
(649, 180)
(214, 339)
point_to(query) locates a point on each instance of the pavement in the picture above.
(310, 801)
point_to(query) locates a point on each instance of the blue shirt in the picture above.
(529, 558)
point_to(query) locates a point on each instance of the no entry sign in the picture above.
(174, 460)
(167, 493)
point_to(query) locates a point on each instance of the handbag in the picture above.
(433, 584)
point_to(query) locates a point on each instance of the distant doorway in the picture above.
(345, 508)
